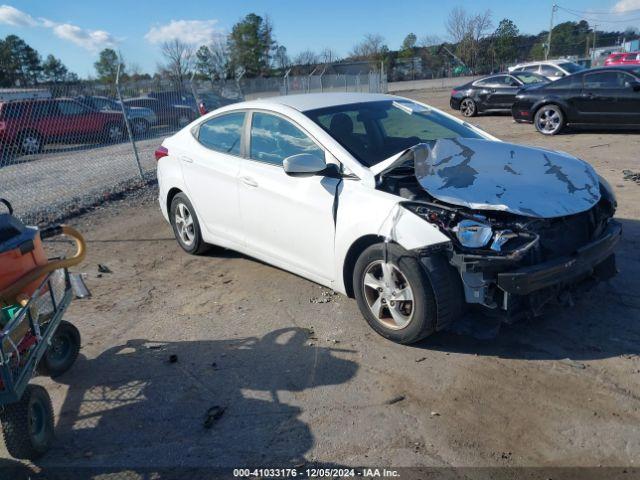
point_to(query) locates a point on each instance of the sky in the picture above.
(76, 30)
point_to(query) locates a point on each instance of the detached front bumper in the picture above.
(596, 257)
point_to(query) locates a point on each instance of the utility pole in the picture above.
(593, 59)
(554, 8)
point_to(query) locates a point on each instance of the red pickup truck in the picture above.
(31, 124)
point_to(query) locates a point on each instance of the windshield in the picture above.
(528, 77)
(374, 131)
(571, 67)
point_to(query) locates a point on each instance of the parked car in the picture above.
(493, 93)
(31, 124)
(175, 97)
(166, 114)
(551, 69)
(615, 59)
(604, 97)
(141, 119)
(209, 101)
(415, 213)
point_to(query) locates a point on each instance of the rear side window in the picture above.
(13, 110)
(550, 71)
(273, 139)
(223, 133)
(71, 108)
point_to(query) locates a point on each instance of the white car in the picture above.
(415, 213)
(551, 69)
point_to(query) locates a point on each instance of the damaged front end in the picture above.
(521, 239)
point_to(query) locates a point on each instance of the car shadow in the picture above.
(603, 323)
(194, 404)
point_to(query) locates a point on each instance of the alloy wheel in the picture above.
(388, 294)
(115, 132)
(468, 107)
(184, 224)
(549, 120)
(30, 144)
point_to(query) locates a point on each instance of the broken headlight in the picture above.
(473, 234)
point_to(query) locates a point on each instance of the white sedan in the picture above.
(414, 213)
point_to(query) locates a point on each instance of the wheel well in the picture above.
(550, 102)
(172, 193)
(359, 246)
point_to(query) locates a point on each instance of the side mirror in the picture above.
(634, 85)
(304, 164)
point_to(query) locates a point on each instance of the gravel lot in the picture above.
(310, 382)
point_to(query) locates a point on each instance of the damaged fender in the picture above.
(399, 225)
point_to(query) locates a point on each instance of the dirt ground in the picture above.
(309, 382)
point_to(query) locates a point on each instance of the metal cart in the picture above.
(36, 339)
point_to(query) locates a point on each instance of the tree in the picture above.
(372, 47)
(429, 41)
(179, 59)
(466, 31)
(250, 45)
(306, 61)
(212, 61)
(53, 70)
(327, 55)
(107, 66)
(281, 58)
(19, 63)
(408, 44)
(506, 38)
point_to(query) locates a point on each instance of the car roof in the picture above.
(608, 68)
(312, 101)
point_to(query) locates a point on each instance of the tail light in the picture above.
(3, 125)
(161, 152)
(202, 108)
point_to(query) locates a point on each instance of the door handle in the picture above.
(186, 159)
(587, 95)
(249, 182)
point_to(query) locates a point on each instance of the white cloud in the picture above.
(190, 31)
(92, 40)
(626, 5)
(16, 18)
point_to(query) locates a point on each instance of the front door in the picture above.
(608, 98)
(287, 220)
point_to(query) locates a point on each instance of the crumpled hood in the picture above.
(490, 175)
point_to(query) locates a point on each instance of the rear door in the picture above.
(505, 91)
(78, 121)
(210, 170)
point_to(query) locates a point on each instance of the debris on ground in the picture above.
(213, 414)
(214, 365)
(396, 399)
(326, 296)
(173, 358)
(631, 176)
(421, 359)
(435, 414)
(102, 268)
(600, 145)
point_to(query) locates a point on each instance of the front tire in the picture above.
(468, 107)
(549, 119)
(140, 127)
(30, 143)
(27, 425)
(114, 133)
(396, 299)
(186, 227)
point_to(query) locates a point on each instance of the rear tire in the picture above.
(468, 107)
(27, 425)
(384, 305)
(186, 227)
(140, 127)
(114, 133)
(63, 351)
(549, 119)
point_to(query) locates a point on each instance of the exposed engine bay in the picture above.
(511, 259)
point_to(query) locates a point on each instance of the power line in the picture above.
(599, 20)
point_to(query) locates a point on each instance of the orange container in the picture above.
(21, 252)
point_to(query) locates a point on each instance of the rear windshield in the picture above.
(374, 131)
(571, 67)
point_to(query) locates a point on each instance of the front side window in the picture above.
(390, 127)
(571, 67)
(550, 71)
(531, 68)
(223, 133)
(529, 77)
(607, 80)
(273, 139)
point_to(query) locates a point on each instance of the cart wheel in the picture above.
(63, 351)
(27, 425)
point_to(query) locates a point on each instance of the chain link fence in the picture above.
(66, 147)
